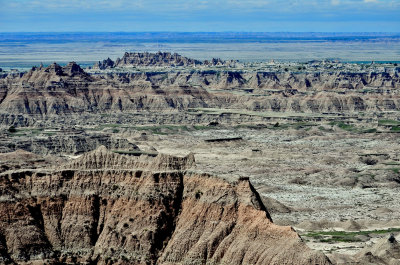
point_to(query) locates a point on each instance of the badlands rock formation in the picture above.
(306, 138)
(56, 90)
(158, 59)
(68, 142)
(63, 90)
(106, 208)
(148, 59)
(385, 251)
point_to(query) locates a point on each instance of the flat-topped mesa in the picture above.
(101, 158)
(107, 208)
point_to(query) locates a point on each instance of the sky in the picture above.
(200, 15)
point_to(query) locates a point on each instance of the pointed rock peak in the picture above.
(96, 159)
(108, 63)
(73, 68)
(54, 68)
(101, 149)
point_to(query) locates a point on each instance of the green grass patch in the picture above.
(391, 163)
(170, 129)
(26, 131)
(342, 236)
(161, 129)
(322, 128)
(301, 125)
(395, 129)
(343, 126)
(49, 133)
(373, 130)
(201, 127)
(106, 126)
(388, 122)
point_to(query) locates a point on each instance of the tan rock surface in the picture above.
(56, 90)
(108, 208)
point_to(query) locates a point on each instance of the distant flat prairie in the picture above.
(22, 50)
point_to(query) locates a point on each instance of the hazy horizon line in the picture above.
(247, 32)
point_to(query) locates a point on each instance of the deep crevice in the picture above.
(94, 235)
(259, 201)
(164, 237)
(4, 251)
(2, 98)
(37, 215)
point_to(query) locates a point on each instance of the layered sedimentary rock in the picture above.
(107, 208)
(66, 142)
(148, 59)
(64, 90)
(56, 90)
(135, 59)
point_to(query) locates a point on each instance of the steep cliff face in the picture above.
(107, 208)
(56, 90)
(63, 90)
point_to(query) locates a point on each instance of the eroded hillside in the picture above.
(317, 140)
(55, 90)
(108, 208)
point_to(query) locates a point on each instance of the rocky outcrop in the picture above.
(105, 64)
(102, 158)
(21, 159)
(159, 59)
(56, 90)
(385, 252)
(71, 143)
(155, 59)
(65, 90)
(106, 208)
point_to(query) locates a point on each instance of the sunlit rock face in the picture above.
(108, 208)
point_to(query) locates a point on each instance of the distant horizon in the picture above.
(247, 32)
(200, 16)
(26, 49)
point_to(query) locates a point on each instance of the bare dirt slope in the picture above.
(108, 208)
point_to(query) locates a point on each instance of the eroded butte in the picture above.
(162, 159)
